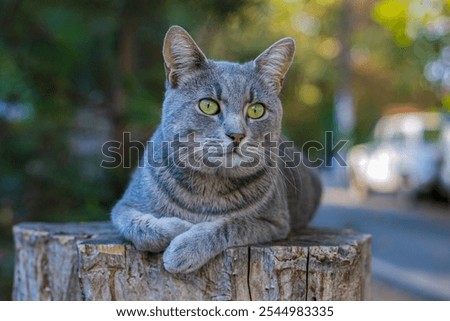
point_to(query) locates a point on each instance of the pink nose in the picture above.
(237, 138)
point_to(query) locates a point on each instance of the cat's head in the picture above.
(229, 108)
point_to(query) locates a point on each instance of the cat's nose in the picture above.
(237, 138)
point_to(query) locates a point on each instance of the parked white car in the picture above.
(444, 145)
(404, 155)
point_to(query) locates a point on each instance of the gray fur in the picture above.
(193, 213)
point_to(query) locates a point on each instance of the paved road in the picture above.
(410, 250)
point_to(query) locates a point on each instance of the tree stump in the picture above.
(90, 261)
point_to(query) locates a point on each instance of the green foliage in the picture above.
(407, 19)
(420, 30)
(394, 15)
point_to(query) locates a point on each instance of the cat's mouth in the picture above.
(218, 156)
(236, 150)
(244, 157)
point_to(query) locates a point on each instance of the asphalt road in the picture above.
(410, 247)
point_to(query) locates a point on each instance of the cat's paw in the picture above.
(189, 251)
(157, 236)
(184, 256)
(151, 242)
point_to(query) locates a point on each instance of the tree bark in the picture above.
(91, 262)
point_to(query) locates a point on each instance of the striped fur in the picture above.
(194, 212)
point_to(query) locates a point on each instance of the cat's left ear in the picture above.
(182, 56)
(275, 61)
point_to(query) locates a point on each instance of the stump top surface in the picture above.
(82, 228)
(90, 261)
(104, 232)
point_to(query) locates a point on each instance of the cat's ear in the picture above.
(182, 56)
(275, 61)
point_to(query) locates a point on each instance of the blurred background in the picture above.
(375, 73)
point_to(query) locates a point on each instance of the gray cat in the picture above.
(215, 174)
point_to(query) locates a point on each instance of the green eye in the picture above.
(256, 111)
(208, 106)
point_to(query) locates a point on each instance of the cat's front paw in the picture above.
(184, 256)
(156, 237)
(151, 242)
(190, 251)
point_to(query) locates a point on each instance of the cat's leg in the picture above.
(144, 230)
(192, 249)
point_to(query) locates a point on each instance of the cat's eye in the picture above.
(256, 111)
(208, 106)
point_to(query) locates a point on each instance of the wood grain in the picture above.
(91, 262)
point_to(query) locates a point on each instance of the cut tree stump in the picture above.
(89, 261)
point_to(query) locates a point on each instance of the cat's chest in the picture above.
(191, 194)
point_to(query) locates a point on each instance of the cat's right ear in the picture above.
(182, 56)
